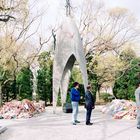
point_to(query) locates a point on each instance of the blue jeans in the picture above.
(74, 111)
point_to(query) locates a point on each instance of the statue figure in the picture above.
(68, 8)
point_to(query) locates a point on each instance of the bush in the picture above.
(59, 100)
(44, 78)
(107, 97)
(68, 99)
(25, 83)
(125, 86)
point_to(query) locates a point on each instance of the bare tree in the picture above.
(106, 30)
(15, 23)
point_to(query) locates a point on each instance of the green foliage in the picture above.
(7, 91)
(68, 99)
(106, 97)
(25, 83)
(76, 74)
(42, 85)
(76, 77)
(59, 100)
(4, 75)
(92, 76)
(93, 80)
(82, 93)
(127, 55)
(125, 86)
(1, 73)
(72, 80)
(44, 78)
(7, 84)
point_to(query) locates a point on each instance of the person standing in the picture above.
(89, 104)
(137, 96)
(75, 98)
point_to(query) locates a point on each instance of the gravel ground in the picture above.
(49, 126)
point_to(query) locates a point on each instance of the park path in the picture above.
(58, 126)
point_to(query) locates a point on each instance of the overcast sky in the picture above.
(56, 6)
(133, 5)
(54, 9)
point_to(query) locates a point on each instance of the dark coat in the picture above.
(89, 100)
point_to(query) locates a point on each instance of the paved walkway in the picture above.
(2, 129)
(58, 127)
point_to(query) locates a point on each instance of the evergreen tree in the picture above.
(92, 76)
(25, 83)
(125, 86)
(44, 78)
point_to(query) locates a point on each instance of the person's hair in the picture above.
(88, 87)
(75, 84)
(138, 84)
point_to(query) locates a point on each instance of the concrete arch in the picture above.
(68, 50)
(66, 77)
(61, 79)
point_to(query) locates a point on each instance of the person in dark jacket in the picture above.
(89, 104)
(75, 98)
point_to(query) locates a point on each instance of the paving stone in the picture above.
(58, 126)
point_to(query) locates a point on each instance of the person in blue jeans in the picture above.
(75, 98)
(137, 96)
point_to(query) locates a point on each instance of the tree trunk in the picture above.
(15, 88)
(97, 97)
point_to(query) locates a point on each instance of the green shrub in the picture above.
(107, 97)
(125, 86)
(59, 100)
(25, 83)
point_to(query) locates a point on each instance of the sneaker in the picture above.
(77, 121)
(138, 127)
(89, 123)
(74, 123)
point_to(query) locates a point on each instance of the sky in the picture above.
(132, 5)
(54, 10)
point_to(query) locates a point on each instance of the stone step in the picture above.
(2, 129)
